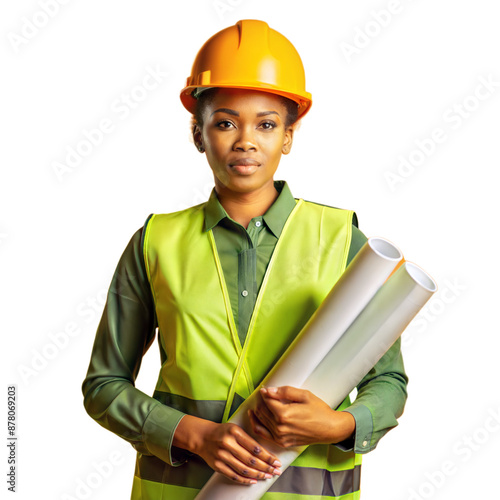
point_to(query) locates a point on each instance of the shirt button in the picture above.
(244, 293)
(365, 443)
(258, 223)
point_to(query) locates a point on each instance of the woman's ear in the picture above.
(197, 138)
(287, 143)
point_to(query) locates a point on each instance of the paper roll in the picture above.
(356, 324)
(369, 269)
(372, 334)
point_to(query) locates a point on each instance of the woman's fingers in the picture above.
(286, 394)
(258, 427)
(246, 468)
(254, 454)
(239, 457)
(265, 417)
(280, 414)
(231, 473)
(256, 457)
(227, 449)
(273, 414)
(268, 426)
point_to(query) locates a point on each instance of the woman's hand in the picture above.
(227, 449)
(296, 417)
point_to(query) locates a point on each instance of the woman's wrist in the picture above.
(342, 427)
(347, 426)
(188, 433)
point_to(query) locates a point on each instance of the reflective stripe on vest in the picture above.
(295, 480)
(206, 371)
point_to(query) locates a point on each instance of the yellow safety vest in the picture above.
(206, 371)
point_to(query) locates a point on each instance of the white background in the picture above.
(61, 236)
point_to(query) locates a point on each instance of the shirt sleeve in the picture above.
(125, 332)
(381, 394)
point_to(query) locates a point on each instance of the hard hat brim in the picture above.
(304, 101)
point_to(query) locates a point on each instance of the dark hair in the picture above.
(207, 96)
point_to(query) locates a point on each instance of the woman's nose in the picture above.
(245, 140)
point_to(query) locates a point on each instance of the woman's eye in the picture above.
(224, 124)
(268, 125)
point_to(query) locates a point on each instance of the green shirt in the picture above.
(128, 325)
(245, 253)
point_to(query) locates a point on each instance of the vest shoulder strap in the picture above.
(354, 216)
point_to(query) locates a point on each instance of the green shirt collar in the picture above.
(274, 218)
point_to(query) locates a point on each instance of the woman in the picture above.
(229, 284)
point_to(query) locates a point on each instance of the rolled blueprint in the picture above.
(372, 334)
(345, 338)
(366, 273)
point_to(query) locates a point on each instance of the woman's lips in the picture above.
(244, 166)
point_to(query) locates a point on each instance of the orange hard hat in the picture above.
(249, 55)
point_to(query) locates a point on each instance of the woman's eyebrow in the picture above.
(236, 113)
(264, 113)
(226, 110)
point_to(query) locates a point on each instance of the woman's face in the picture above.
(244, 136)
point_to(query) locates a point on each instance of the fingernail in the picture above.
(268, 476)
(277, 472)
(276, 463)
(263, 390)
(274, 390)
(253, 481)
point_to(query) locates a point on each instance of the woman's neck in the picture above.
(243, 207)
